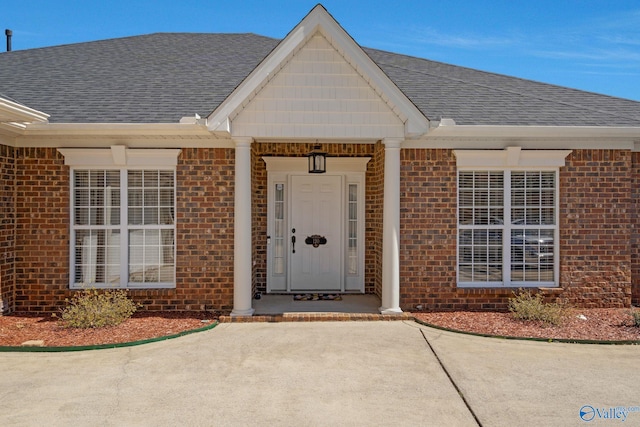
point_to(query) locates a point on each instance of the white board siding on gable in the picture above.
(318, 94)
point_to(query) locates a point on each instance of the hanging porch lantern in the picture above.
(317, 160)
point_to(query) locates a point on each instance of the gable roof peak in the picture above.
(318, 20)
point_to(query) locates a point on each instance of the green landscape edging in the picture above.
(103, 346)
(561, 340)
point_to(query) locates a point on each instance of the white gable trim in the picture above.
(319, 19)
(511, 157)
(15, 117)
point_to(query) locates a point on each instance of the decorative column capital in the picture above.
(242, 141)
(392, 142)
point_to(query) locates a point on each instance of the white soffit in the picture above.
(511, 157)
(319, 20)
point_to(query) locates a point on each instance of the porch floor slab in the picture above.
(283, 308)
(281, 304)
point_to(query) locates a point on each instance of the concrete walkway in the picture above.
(317, 374)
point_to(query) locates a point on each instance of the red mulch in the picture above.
(15, 329)
(612, 324)
(602, 324)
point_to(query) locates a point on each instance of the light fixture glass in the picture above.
(317, 160)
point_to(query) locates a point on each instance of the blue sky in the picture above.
(592, 45)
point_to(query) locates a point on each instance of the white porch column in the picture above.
(391, 228)
(242, 230)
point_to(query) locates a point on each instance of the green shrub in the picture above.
(525, 306)
(92, 309)
(636, 318)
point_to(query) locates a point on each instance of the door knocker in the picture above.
(315, 240)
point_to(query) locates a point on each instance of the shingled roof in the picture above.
(159, 78)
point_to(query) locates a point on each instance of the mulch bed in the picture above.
(598, 324)
(16, 329)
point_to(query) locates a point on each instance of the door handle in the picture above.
(293, 244)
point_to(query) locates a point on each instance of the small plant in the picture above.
(92, 309)
(636, 318)
(525, 306)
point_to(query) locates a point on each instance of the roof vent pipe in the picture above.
(8, 33)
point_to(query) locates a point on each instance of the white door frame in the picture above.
(353, 169)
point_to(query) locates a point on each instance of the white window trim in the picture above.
(509, 160)
(123, 159)
(119, 156)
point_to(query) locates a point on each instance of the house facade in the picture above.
(177, 166)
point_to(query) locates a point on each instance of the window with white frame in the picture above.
(123, 228)
(508, 217)
(122, 217)
(507, 227)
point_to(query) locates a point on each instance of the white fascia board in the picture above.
(115, 129)
(466, 131)
(13, 112)
(528, 137)
(319, 19)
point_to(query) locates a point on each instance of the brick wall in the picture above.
(204, 233)
(259, 216)
(634, 217)
(7, 228)
(42, 229)
(596, 228)
(595, 225)
(428, 200)
(598, 200)
(373, 222)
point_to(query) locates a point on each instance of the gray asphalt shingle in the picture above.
(159, 78)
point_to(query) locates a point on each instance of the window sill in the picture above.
(129, 287)
(538, 285)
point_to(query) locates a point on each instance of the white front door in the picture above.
(316, 225)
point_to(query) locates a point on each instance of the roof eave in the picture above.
(492, 131)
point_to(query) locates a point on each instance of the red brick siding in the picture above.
(42, 229)
(259, 218)
(7, 228)
(595, 223)
(428, 230)
(373, 222)
(598, 201)
(634, 216)
(204, 234)
(595, 228)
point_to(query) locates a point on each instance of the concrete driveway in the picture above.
(325, 373)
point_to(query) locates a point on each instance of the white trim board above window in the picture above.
(511, 157)
(120, 156)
